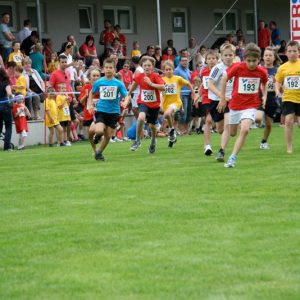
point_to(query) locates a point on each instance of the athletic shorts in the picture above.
(216, 116)
(198, 112)
(109, 120)
(289, 107)
(64, 123)
(151, 113)
(87, 123)
(236, 116)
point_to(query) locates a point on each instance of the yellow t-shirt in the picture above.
(171, 95)
(288, 75)
(64, 112)
(136, 53)
(51, 106)
(17, 57)
(22, 82)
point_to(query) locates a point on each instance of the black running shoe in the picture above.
(99, 155)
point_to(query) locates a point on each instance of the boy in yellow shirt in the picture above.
(16, 55)
(64, 117)
(288, 81)
(51, 118)
(20, 86)
(171, 102)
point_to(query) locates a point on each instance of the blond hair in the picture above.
(227, 47)
(145, 58)
(168, 63)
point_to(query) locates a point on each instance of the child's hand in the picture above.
(147, 80)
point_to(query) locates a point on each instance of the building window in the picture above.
(121, 15)
(229, 21)
(32, 15)
(9, 7)
(86, 19)
(249, 22)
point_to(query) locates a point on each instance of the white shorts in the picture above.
(24, 133)
(236, 116)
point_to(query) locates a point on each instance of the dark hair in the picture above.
(292, 44)
(150, 47)
(109, 61)
(5, 13)
(252, 50)
(89, 38)
(3, 76)
(26, 22)
(35, 34)
(11, 64)
(62, 56)
(19, 69)
(135, 59)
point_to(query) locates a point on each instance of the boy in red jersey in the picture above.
(148, 100)
(211, 59)
(249, 80)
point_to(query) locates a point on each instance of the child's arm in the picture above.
(27, 112)
(193, 96)
(160, 87)
(212, 88)
(125, 101)
(132, 88)
(222, 103)
(49, 116)
(264, 90)
(278, 88)
(89, 104)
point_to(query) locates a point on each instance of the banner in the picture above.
(295, 20)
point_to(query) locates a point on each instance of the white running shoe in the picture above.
(264, 146)
(208, 150)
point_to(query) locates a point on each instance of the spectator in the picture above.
(157, 56)
(16, 55)
(5, 110)
(116, 48)
(35, 87)
(170, 44)
(71, 39)
(1, 62)
(149, 51)
(6, 37)
(88, 50)
(37, 59)
(282, 52)
(53, 64)
(182, 53)
(48, 50)
(264, 36)
(275, 33)
(121, 38)
(67, 50)
(10, 70)
(107, 35)
(26, 45)
(239, 36)
(185, 94)
(169, 55)
(136, 49)
(200, 56)
(25, 32)
(126, 74)
(193, 50)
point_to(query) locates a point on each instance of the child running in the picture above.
(51, 118)
(249, 79)
(20, 112)
(111, 91)
(151, 84)
(270, 58)
(211, 59)
(171, 102)
(214, 93)
(288, 79)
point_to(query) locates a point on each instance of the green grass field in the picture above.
(173, 225)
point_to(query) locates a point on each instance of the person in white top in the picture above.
(25, 32)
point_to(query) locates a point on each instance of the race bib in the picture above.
(248, 85)
(292, 82)
(21, 112)
(17, 59)
(108, 92)
(66, 111)
(271, 85)
(170, 89)
(148, 95)
(205, 82)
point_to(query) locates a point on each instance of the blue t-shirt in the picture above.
(274, 35)
(185, 74)
(110, 93)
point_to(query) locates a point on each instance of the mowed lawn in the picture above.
(173, 225)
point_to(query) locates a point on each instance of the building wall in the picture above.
(62, 18)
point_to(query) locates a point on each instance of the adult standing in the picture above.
(264, 36)
(37, 59)
(25, 32)
(35, 86)
(107, 35)
(121, 38)
(26, 45)
(185, 94)
(193, 50)
(275, 33)
(6, 37)
(5, 110)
